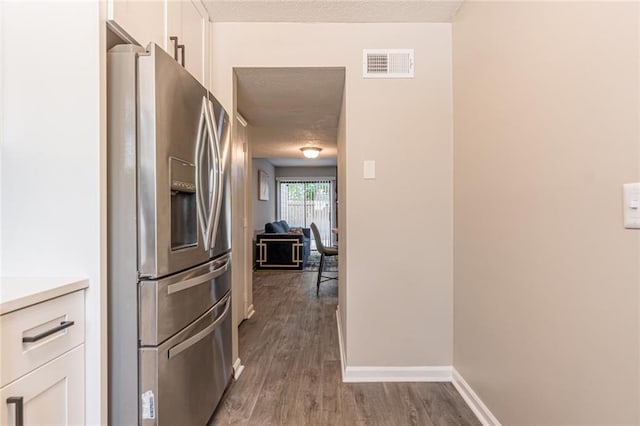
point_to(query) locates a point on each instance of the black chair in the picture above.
(324, 251)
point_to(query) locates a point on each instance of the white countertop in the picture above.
(17, 293)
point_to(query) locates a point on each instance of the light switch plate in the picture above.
(369, 169)
(631, 205)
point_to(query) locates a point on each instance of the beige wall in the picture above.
(397, 231)
(546, 109)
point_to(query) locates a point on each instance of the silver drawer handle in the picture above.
(181, 347)
(192, 282)
(63, 325)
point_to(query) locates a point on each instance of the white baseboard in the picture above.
(250, 311)
(343, 356)
(473, 401)
(238, 368)
(414, 374)
(358, 374)
(387, 374)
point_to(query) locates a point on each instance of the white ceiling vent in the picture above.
(387, 63)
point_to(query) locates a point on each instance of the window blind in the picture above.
(306, 201)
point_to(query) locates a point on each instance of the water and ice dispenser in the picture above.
(184, 216)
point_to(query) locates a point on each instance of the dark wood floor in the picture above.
(292, 368)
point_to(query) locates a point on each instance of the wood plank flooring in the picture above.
(292, 368)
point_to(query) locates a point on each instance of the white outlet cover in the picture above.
(631, 205)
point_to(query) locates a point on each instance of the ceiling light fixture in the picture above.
(311, 151)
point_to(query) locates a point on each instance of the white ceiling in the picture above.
(288, 108)
(332, 10)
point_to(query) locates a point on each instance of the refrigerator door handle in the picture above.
(192, 282)
(219, 172)
(183, 346)
(203, 130)
(211, 132)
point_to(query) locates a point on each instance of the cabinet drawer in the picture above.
(18, 357)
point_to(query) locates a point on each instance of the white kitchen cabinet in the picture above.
(187, 26)
(42, 362)
(142, 20)
(189, 22)
(51, 395)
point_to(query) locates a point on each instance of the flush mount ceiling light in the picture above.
(311, 151)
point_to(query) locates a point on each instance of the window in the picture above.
(303, 201)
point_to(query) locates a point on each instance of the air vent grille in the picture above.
(377, 63)
(390, 63)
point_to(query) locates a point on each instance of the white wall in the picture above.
(264, 211)
(399, 299)
(2, 117)
(547, 307)
(53, 163)
(342, 218)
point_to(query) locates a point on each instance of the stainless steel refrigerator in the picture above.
(169, 242)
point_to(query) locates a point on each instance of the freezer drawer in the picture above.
(182, 380)
(170, 304)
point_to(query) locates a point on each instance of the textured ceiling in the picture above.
(332, 10)
(288, 108)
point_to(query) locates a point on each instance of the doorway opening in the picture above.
(281, 111)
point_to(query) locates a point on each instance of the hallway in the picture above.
(292, 375)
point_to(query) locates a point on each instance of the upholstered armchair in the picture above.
(282, 247)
